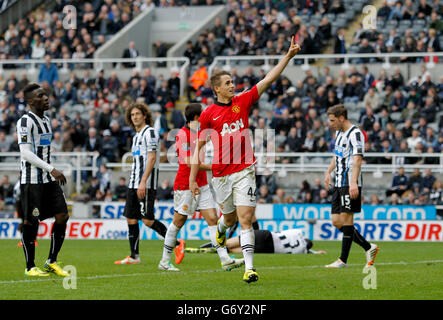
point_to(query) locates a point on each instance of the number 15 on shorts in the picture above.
(346, 201)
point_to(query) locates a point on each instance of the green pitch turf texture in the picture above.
(404, 271)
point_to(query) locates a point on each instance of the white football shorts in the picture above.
(185, 204)
(236, 189)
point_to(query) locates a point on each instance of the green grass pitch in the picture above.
(403, 271)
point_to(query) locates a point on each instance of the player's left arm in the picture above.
(356, 168)
(316, 252)
(201, 166)
(273, 75)
(150, 162)
(195, 167)
(151, 147)
(357, 143)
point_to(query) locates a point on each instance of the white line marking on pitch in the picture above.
(212, 270)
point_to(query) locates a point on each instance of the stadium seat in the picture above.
(340, 22)
(395, 116)
(77, 108)
(405, 23)
(155, 107)
(434, 126)
(420, 23)
(391, 24)
(331, 17)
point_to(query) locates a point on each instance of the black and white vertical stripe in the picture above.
(347, 145)
(144, 141)
(34, 130)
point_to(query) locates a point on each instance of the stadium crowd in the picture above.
(397, 114)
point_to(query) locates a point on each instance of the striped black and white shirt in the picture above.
(144, 141)
(36, 131)
(347, 145)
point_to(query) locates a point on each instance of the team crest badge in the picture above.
(236, 109)
(35, 212)
(185, 208)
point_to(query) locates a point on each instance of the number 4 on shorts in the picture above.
(252, 193)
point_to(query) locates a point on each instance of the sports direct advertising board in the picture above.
(375, 223)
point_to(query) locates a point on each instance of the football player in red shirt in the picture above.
(184, 203)
(226, 123)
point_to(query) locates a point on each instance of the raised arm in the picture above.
(195, 165)
(273, 75)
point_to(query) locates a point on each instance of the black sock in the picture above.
(57, 238)
(255, 225)
(348, 235)
(358, 239)
(133, 235)
(161, 229)
(232, 230)
(28, 237)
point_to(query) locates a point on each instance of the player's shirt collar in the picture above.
(221, 104)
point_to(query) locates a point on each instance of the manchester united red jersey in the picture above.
(185, 144)
(227, 125)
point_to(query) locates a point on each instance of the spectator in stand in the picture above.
(375, 201)
(304, 190)
(165, 192)
(340, 44)
(428, 181)
(268, 179)
(109, 147)
(263, 195)
(48, 72)
(414, 140)
(130, 52)
(416, 181)
(395, 200)
(279, 197)
(121, 190)
(365, 47)
(400, 183)
(436, 194)
(198, 78)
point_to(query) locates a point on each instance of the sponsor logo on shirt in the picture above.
(233, 127)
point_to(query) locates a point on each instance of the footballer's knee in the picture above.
(179, 220)
(337, 223)
(61, 218)
(148, 222)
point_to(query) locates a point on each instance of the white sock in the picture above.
(222, 227)
(169, 243)
(247, 243)
(222, 252)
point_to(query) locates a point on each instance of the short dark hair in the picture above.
(215, 78)
(28, 89)
(143, 108)
(192, 110)
(309, 244)
(338, 110)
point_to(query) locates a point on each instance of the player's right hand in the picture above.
(294, 48)
(193, 186)
(327, 181)
(58, 176)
